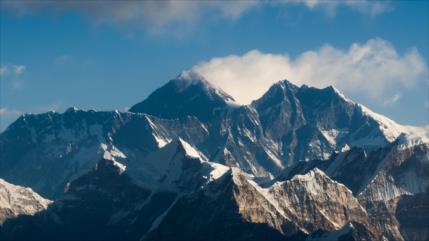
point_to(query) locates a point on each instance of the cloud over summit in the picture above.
(373, 69)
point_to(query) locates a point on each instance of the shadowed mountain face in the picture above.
(105, 204)
(185, 96)
(188, 163)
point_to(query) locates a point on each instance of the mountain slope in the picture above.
(68, 144)
(188, 94)
(16, 200)
(176, 167)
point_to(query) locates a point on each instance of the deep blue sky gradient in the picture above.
(111, 66)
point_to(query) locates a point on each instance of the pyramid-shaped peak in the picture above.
(190, 78)
(189, 94)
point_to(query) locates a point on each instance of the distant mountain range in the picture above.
(189, 163)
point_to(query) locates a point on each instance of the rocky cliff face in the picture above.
(106, 204)
(16, 200)
(315, 202)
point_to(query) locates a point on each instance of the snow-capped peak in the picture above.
(190, 77)
(187, 95)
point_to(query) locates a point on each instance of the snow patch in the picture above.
(121, 166)
(189, 150)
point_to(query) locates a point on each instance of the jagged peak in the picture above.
(288, 84)
(277, 93)
(283, 85)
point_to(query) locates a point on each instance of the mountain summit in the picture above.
(189, 94)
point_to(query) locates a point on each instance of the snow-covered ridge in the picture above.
(177, 167)
(392, 130)
(412, 135)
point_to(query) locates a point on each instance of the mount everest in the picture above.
(188, 163)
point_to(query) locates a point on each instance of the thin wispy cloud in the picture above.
(373, 69)
(11, 74)
(168, 14)
(12, 69)
(392, 100)
(19, 69)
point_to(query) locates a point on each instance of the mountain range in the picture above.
(189, 163)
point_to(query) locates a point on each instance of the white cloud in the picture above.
(157, 14)
(373, 69)
(371, 8)
(393, 99)
(11, 74)
(12, 68)
(19, 69)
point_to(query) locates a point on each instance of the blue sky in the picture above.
(55, 55)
